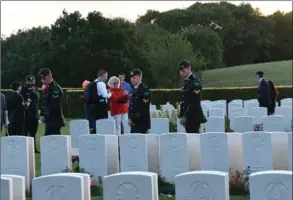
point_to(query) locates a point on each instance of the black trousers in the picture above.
(31, 127)
(52, 129)
(192, 125)
(141, 130)
(271, 110)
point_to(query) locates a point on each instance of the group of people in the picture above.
(21, 112)
(123, 101)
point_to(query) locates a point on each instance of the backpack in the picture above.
(273, 90)
(91, 93)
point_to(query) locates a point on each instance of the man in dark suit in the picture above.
(139, 106)
(264, 99)
(51, 112)
(30, 93)
(191, 114)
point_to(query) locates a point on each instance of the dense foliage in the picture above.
(211, 35)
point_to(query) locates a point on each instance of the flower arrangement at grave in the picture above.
(239, 182)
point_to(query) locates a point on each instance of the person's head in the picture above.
(135, 77)
(15, 86)
(184, 68)
(259, 74)
(30, 80)
(85, 84)
(122, 77)
(46, 76)
(103, 75)
(114, 82)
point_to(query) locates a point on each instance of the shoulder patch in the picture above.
(196, 83)
(146, 93)
(56, 91)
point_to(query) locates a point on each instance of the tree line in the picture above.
(210, 35)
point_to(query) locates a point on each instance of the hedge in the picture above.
(73, 107)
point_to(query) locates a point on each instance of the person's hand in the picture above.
(182, 121)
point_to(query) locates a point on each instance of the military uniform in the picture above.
(139, 107)
(190, 102)
(31, 112)
(52, 107)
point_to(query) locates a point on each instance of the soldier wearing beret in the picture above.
(191, 114)
(30, 94)
(51, 112)
(139, 106)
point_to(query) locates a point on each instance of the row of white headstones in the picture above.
(244, 116)
(197, 185)
(167, 154)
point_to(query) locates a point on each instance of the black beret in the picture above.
(44, 72)
(30, 78)
(135, 72)
(183, 64)
(14, 85)
(260, 73)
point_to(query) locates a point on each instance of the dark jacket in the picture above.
(139, 107)
(52, 105)
(3, 108)
(190, 106)
(16, 112)
(31, 92)
(264, 94)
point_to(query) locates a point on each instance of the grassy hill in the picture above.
(241, 76)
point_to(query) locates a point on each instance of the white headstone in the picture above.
(105, 127)
(78, 128)
(258, 113)
(290, 150)
(58, 187)
(6, 188)
(275, 185)
(246, 102)
(131, 186)
(235, 112)
(180, 128)
(234, 105)
(257, 151)
(243, 124)
(174, 158)
(235, 145)
(193, 144)
(18, 183)
(215, 124)
(202, 185)
(17, 157)
(220, 104)
(55, 154)
(280, 147)
(86, 180)
(126, 127)
(159, 125)
(273, 123)
(130, 145)
(286, 112)
(238, 101)
(250, 106)
(153, 153)
(98, 155)
(287, 104)
(205, 109)
(286, 101)
(216, 112)
(214, 152)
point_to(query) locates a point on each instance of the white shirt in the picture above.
(102, 89)
(261, 79)
(136, 86)
(188, 76)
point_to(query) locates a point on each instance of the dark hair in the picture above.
(15, 85)
(101, 72)
(121, 73)
(260, 74)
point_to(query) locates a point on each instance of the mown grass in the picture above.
(242, 76)
(65, 131)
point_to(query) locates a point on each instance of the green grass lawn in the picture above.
(242, 76)
(65, 131)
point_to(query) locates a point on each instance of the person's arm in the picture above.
(194, 87)
(56, 100)
(102, 89)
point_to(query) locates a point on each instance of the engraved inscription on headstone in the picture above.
(276, 191)
(199, 191)
(53, 145)
(127, 191)
(214, 142)
(57, 192)
(173, 142)
(257, 142)
(91, 145)
(13, 146)
(132, 143)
